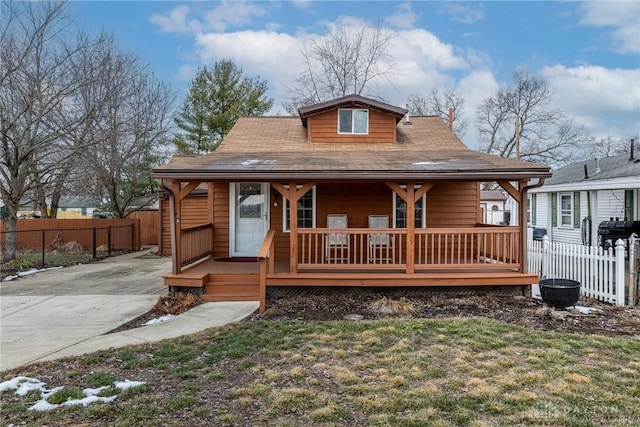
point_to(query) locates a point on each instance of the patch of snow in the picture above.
(29, 272)
(431, 163)
(23, 385)
(42, 405)
(250, 162)
(123, 385)
(583, 309)
(159, 320)
(88, 400)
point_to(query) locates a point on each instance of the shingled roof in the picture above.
(601, 169)
(264, 148)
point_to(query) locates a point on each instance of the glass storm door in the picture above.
(250, 217)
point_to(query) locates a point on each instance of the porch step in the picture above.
(232, 287)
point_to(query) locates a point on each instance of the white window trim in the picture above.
(353, 132)
(424, 206)
(285, 204)
(560, 214)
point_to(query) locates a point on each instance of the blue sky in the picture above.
(588, 51)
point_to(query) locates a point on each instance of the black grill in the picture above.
(610, 231)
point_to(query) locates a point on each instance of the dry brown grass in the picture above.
(176, 304)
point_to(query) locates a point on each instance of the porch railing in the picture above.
(196, 243)
(385, 249)
(267, 266)
(483, 247)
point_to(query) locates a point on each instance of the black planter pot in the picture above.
(560, 292)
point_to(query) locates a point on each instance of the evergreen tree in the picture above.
(215, 100)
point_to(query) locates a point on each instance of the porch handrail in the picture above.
(196, 243)
(484, 247)
(267, 263)
(435, 248)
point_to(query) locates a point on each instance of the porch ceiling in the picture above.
(319, 165)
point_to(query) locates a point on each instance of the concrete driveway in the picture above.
(52, 310)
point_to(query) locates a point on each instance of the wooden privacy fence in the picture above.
(603, 274)
(113, 234)
(149, 226)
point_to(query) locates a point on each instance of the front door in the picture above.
(250, 217)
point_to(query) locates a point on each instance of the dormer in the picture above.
(352, 118)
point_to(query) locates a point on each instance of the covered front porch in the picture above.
(478, 255)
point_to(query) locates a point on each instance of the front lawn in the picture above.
(470, 371)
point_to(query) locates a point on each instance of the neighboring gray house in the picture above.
(600, 189)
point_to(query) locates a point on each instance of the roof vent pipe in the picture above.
(586, 175)
(597, 165)
(631, 154)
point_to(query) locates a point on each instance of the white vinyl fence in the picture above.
(601, 272)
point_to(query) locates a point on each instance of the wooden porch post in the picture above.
(293, 194)
(210, 202)
(177, 228)
(293, 228)
(520, 196)
(522, 220)
(411, 228)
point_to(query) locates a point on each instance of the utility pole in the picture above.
(518, 137)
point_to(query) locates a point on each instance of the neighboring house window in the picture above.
(566, 210)
(83, 211)
(628, 205)
(306, 211)
(400, 212)
(533, 209)
(353, 121)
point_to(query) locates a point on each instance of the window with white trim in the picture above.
(353, 121)
(306, 210)
(400, 211)
(566, 210)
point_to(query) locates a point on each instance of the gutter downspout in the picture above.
(523, 223)
(172, 217)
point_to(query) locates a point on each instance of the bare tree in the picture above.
(518, 122)
(35, 87)
(439, 103)
(610, 146)
(347, 60)
(130, 131)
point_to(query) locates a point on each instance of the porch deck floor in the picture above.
(334, 276)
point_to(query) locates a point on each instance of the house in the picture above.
(380, 200)
(493, 205)
(70, 207)
(578, 197)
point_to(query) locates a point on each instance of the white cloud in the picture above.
(427, 50)
(623, 17)
(605, 100)
(464, 14)
(226, 14)
(173, 22)
(404, 18)
(232, 13)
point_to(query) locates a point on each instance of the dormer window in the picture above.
(353, 121)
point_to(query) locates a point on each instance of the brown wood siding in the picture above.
(195, 211)
(452, 204)
(323, 127)
(221, 220)
(448, 205)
